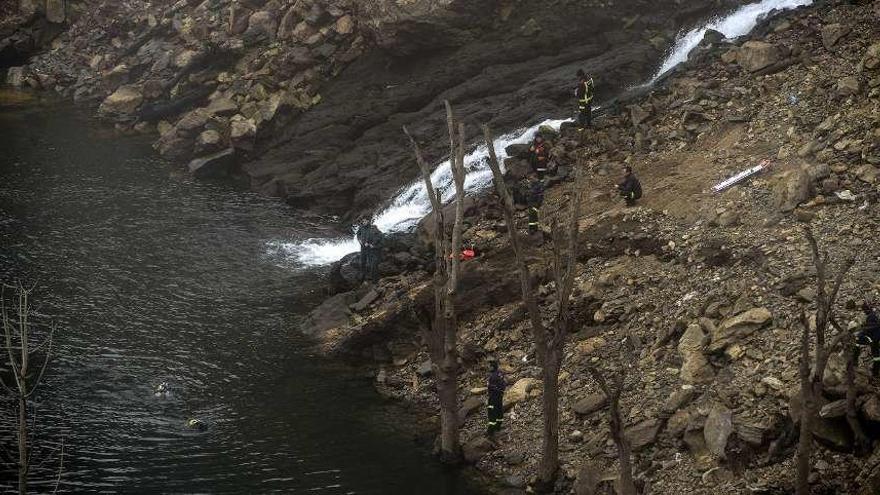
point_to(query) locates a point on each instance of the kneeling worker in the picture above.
(630, 188)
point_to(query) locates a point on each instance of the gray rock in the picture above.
(643, 434)
(590, 404)
(469, 406)
(475, 449)
(792, 189)
(832, 33)
(739, 327)
(425, 369)
(214, 165)
(849, 86)
(756, 55)
(123, 101)
(719, 426)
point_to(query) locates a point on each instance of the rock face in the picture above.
(756, 55)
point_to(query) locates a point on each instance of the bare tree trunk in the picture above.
(811, 380)
(440, 330)
(550, 342)
(805, 440)
(549, 466)
(22, 445)
(616, 425)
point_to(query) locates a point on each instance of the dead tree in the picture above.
(441, 328)
(616, 424)
(26, 375)
(811, 375)
(550, 339)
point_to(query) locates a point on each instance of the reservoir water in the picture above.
(155, 277)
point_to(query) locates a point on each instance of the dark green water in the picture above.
(155, 277)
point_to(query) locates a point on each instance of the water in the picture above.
(412, 204)
(154, 277)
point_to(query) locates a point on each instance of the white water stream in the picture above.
(412, 204)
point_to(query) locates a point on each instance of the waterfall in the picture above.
(412, 204)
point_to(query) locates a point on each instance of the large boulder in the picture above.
(739, 327)
(756, 55)
(519, 392)
(123, 101)
(695, 367)
(719, 426)
(345, 274)
(262, 24)
(330, 314)
(217, 164)
(643, 434)
(15, 76)
(832, 33)
(871, 60)
(243, 133)
(590, 404)
(791, 189)
(475, 449)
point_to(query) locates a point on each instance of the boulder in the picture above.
(871, 408)
(288, 23)
(262, 24)
(519, 392)
(344, 25)
(345, 274)
(587, 347)
(475, 449)
(222, 107)
(871, 60)
(517, 169)
(15, 76)
(849, 86)
(832, 33)
(214, 165)
(518, 151)
(695, 367)
(332, 313)
(590, 404)
(208, 141)
(469, 406)
(719, 426)
(588, 478)
(643, 434)
(55, 11)
(868, 173)
(679, 399)
(123, 101)
(243, 133)
(792, 188)
(756, 55)
(739, 327)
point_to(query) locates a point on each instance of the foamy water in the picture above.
(412, 203)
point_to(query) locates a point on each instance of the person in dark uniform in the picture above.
(534, 200)
(584, 95)
(869, 336)
(370, 238)
(496, 388)
(630, 188)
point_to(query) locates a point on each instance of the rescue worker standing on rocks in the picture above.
(539, 153)
(630, 188)
(370, 238)
(584, 95)
(534, 200)
(496, 386)
(869, 336)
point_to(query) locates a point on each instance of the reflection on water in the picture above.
(154, 277)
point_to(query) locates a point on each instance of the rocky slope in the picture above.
(310, 94)
(695, 294)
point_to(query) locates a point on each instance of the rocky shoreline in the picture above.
(306, 98)
(698, 294)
